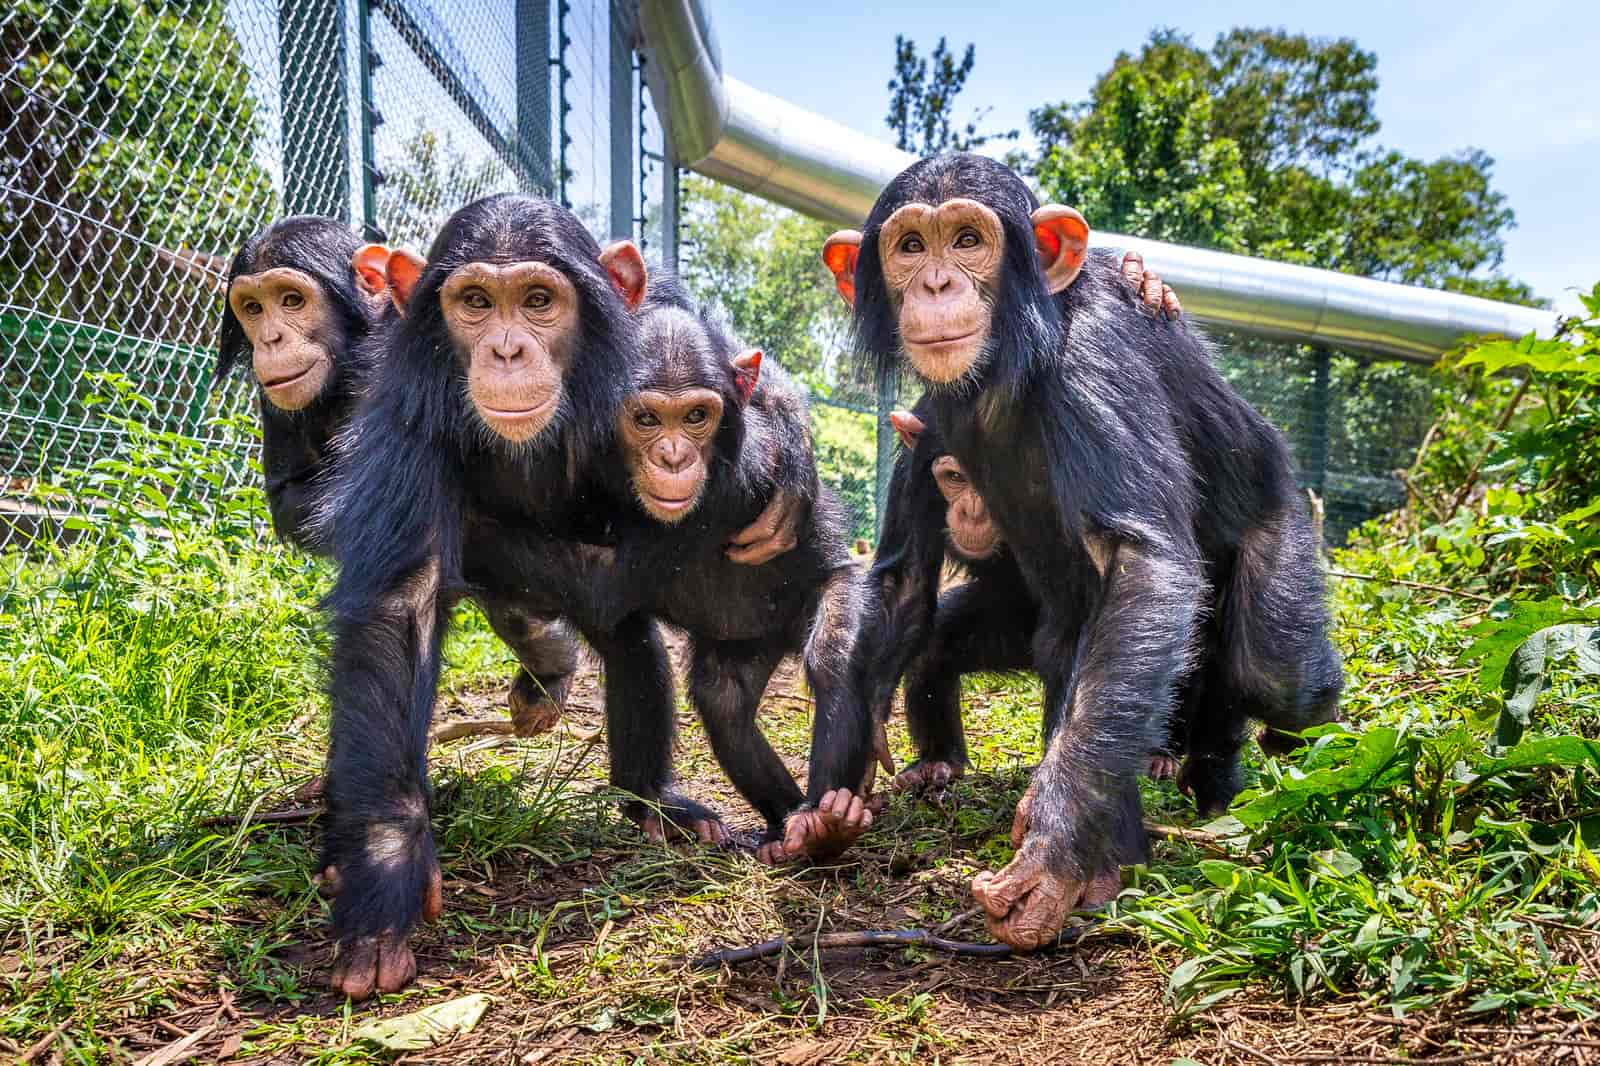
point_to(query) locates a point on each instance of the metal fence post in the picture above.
(621, 121)
(669, 200)
(1317, 435)
(316, 108)
(371, 119)
(888, 396)
(533, 94)
(563, 42)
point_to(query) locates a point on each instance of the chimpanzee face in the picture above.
(668, 437)
(513, 326)
(943, 266)
(292, 329)
(971, 531)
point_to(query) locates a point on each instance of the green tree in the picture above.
(1263, 145)
(760, 263)
(922, 101)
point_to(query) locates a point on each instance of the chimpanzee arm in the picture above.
(787, 478)
(295, 485)
(396, 523)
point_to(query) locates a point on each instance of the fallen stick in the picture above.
(289, 816)
(879, 938)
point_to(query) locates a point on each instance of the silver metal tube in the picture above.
(743, 137)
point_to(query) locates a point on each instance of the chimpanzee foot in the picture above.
(828, 829)
(382, 963)
(1027, 904)
(533, 711)
(680, 819)
(927, 775)
(1163, 766)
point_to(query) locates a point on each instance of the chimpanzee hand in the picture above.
(382, 963)
(774, 532)
(1156, 297)
(821, 833)
(678, 819)
(1027, 903)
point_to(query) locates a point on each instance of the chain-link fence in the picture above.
(142, 140)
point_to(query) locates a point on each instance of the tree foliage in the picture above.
(1263, 144)
(922, 98)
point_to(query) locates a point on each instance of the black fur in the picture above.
(1081, 463)
(424, 502)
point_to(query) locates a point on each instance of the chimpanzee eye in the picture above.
(477, 299)
(293, 300)
(968, 239)
(696, 416)
(538, 299)
(252, 307)
(646, 419)
(957, 477)
(911, 244)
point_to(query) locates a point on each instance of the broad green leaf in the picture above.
(1496, 640)
(427, 1027)
(1520, 684)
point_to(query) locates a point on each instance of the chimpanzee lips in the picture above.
(288, 379)
(929, 342)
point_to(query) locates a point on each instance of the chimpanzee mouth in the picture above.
(520, 414)
(667, 504)
(934, 342)
(278, 383)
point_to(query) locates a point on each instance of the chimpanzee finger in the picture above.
(711, 831)
(1169, 303)
(653, 830)
(773, 853)
(1150, 293)
(357, 969)
(433, 897)
(1133, 268)
(397, 966)
(1019, 821)
(880, 748)
(327, 881)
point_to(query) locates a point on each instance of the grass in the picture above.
(1400, 888)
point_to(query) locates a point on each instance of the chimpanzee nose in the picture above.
(936, 280)
(508, 350)
(673, 455)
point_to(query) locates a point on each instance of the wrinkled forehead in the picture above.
(939, 220)
(274, 280)
(504, 275)
(676, 352)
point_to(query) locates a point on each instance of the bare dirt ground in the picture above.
(584, 939)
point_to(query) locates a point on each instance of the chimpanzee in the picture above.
(710, 433)
(985, 624)
(303, 296)
(475, 466)
(1060, 406)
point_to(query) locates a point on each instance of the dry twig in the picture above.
(879, 938)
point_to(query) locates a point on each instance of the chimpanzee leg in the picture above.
(377, 841)
(547, 653)
(726, 680)
(1213, 729)
(836, 813)
(639, 727)
(1111, 686)
(978, 627)
(1280, 665)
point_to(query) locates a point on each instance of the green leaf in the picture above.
(1496, 640)
(1520, 685)
(427, 1027)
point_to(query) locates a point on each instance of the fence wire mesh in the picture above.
(142, 140)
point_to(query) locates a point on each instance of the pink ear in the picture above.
(1062, 237)
(371, 264)
(747, 372)
(839, 253)
(402, 273)
(909, 426)
(625, 264)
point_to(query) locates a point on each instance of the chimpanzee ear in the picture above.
(625, 264)
(371, 264)
(1062, 237)
(839, 252)
(909, 426)
(401, 274)
(747, 372)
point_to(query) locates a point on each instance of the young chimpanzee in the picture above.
(983, 624)
(1057, 403)
(303, 296)
(499, 389)
(710, 434)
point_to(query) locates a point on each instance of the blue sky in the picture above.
(1519, 79)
